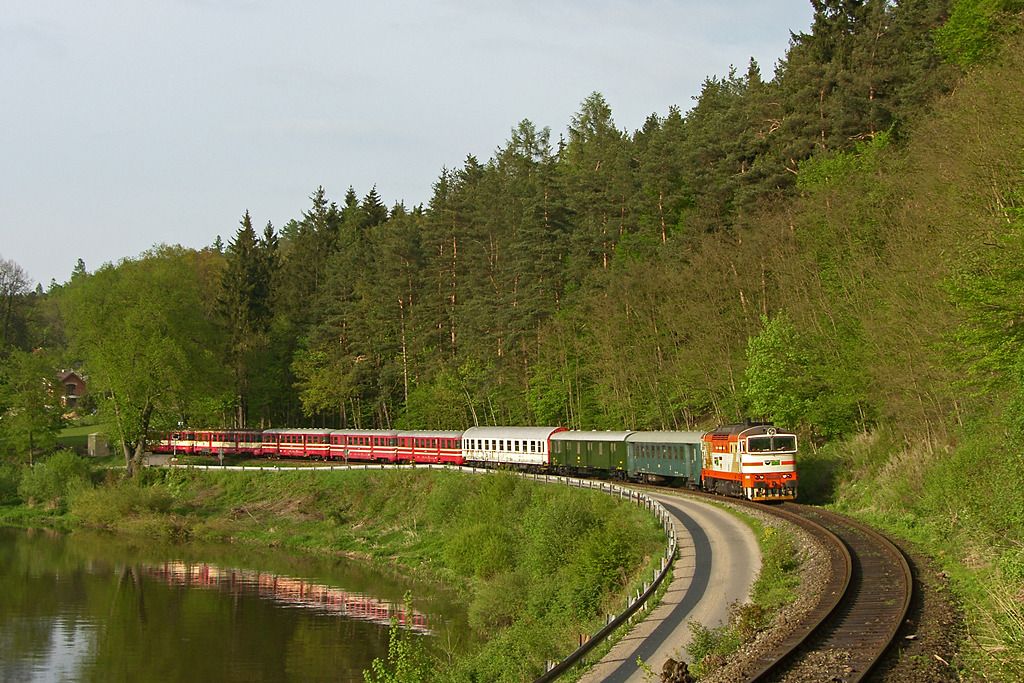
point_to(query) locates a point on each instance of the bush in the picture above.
(108, 507)
(10, 475)
(49, 483)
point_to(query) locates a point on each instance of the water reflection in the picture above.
(291, 592)
(88, 607)
(66, 648)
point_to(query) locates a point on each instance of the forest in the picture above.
(837, 248)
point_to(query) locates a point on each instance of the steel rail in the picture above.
(874, 606)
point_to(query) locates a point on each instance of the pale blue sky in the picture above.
(128, 123)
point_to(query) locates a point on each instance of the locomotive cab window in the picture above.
(783, 443)
(759, 444)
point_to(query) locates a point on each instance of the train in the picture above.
(756, 461)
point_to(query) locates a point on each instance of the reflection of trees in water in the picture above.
(132, 574)
(287, 590)
(85, 607)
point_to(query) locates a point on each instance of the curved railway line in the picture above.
(867, 616)
(859, 612)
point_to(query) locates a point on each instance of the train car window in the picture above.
(516, 446)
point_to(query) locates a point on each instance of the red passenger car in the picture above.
(296, 443)
(430, 447)
(364, 445)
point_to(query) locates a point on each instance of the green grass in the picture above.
(76, 437)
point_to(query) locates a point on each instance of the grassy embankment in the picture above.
(958, 504)
(538, 564)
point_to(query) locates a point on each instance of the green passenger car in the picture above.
(654, 455)
(589, 451)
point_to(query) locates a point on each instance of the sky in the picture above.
(130, 123)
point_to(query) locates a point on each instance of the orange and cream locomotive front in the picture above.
(755, 461)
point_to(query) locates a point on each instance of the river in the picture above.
(93, 607)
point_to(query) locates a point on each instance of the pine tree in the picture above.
(599, 183)
(244, 303)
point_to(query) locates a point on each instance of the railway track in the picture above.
(860, 609)
(859, 613)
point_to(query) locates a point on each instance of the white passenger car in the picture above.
(518, 446)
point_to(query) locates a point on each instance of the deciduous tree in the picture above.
(30, 408)
(145, 333)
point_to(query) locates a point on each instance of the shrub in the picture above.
(49, 483)
(10, 475)
(112, 505)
